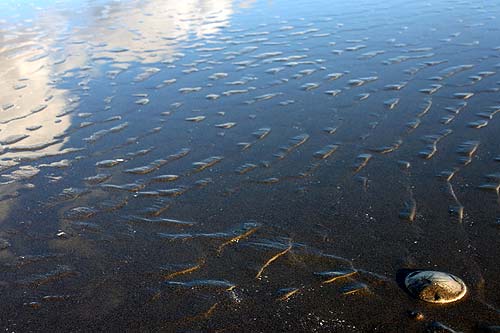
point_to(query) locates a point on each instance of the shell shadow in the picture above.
(401, 275)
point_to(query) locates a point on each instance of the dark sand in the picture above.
(199, 166)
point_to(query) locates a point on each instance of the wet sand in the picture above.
(248, 166)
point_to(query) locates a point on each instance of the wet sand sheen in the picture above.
(188, 167)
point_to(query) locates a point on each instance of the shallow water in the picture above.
(247, 165)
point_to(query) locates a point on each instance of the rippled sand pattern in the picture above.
(247, 166)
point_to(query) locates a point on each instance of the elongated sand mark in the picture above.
(271, 260)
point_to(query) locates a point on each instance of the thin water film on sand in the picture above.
(239, 165)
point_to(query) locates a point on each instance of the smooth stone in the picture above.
(435, 287)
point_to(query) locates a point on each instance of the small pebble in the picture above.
(416, 315)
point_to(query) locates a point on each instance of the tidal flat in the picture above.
(249, 166)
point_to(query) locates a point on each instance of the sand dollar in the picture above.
(435, 287)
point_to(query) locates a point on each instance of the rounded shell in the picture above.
(435, 287)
